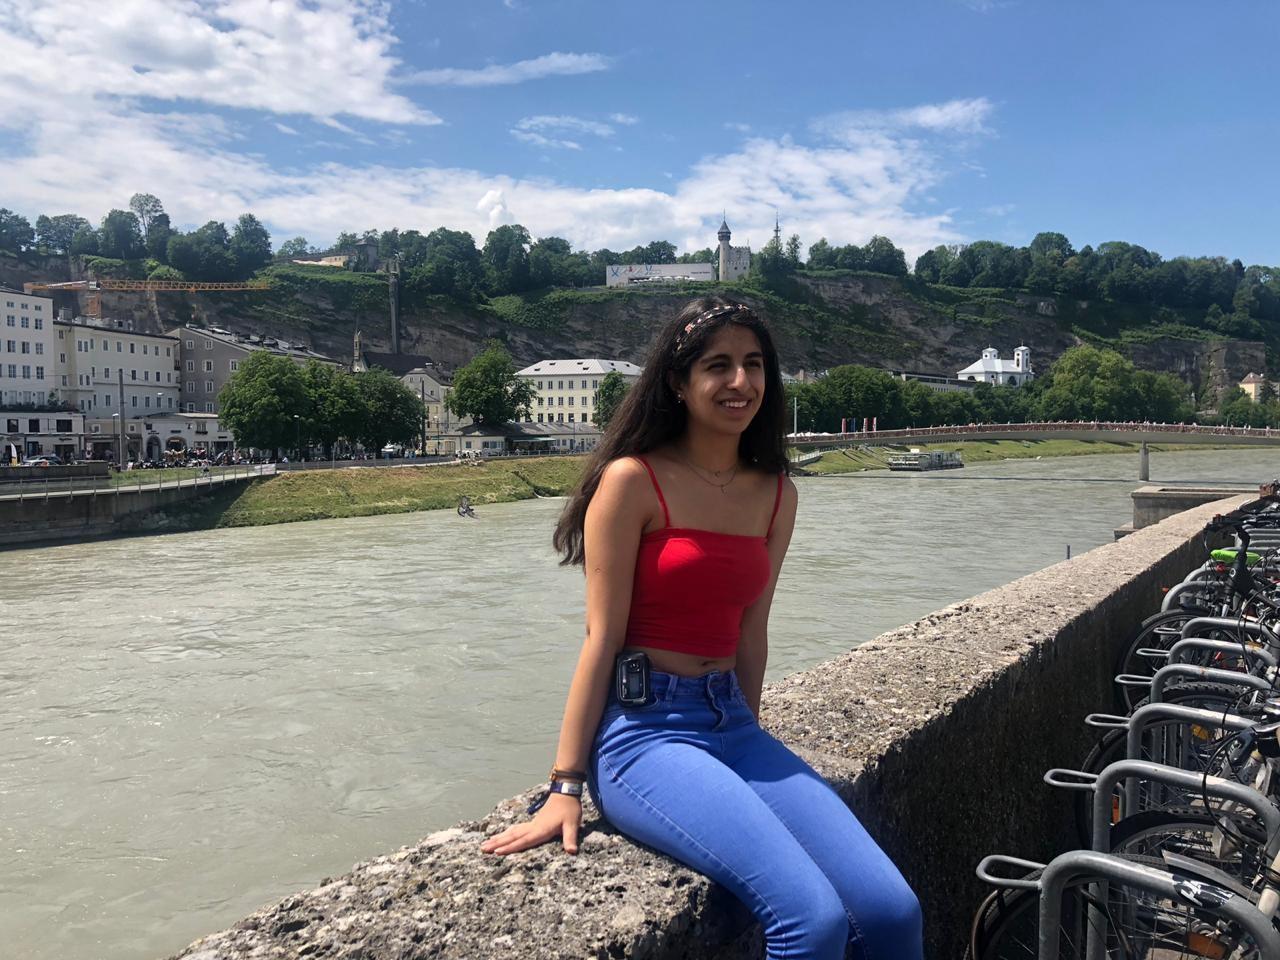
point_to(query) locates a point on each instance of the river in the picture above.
(193, 725)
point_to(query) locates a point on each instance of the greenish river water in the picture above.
(194, 725)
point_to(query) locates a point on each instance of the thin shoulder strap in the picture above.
(661, 499)
(777, 502)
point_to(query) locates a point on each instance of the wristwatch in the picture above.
(569, 787)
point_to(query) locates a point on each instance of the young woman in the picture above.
(681, 522)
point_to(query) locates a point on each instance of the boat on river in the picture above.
(917, 460)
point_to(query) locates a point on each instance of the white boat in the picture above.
(917, 460)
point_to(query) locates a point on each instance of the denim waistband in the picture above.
(671, 687)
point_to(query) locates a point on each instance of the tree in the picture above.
(1055, 246)
(297, 247)
(820, 255)
(613, 388)
(204, 254)
(55, 234)
(157, 238)
(84, 242)
(884, 257)
(447, 263)
(389, 411)
(16, 234)
(793, 251)
(346, 243)
(261, 399)
(120, 236)
(488, 390)
(250, 246)
(506, 259)
(146, 208)
(335, 408)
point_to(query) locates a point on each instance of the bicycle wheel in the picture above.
(1132, 923)
(1159, 632)
(1231, 842)
(1167, 741)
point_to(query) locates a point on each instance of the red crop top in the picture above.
(692, 586)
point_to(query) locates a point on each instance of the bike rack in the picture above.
(1182, 647)
(1146, 716)
(1175, 885)
(1165, 674)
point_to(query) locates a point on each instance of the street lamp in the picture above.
(120, 442)
(297, 435)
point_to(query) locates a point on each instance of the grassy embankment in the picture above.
(977, 451)
(326, 494)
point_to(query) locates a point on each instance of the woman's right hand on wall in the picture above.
(560, 816)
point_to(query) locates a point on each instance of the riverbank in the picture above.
(332, 494)
(355, 492)
(979, 451)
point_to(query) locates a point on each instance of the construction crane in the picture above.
(93, 288)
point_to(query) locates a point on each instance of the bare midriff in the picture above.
(683, 664)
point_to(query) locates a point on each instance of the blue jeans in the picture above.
(695, 777)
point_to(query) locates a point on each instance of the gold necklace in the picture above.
(697, 472)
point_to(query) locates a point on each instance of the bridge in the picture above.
(1112, 432)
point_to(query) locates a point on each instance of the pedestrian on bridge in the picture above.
(681, 523)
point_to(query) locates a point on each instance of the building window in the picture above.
(584, 401)
(146, 375)
(134, 398)
(191, 407)
(571, 401)
(39, 373)
(144, 349)
(191, 386)
(26, 371)
(168, 351)
(586, 418)
(208, 366)
(208, 407)
(571, 418)
(11, 346)
(539, 401)
(119, 346)
(106, 399)
(62, 358)
(106, 373)
(26, 322)
(146, 401)
(133, 374)
(584, 384)
(560, 418)
(595, 384)
(208, 386)
(539, 418)
(235, 365)
(133, 348)
(208, 344)
(190, 345)
(39, 322)
(39, 349)
(26, 346)
(560, 384)
(10, 320)
(191, 366)
(559, 401)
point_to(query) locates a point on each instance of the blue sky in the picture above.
(929, 121)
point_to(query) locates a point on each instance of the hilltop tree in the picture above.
(250, 246)
(146, 208)
(84, 242)
(56, 233)
(447, 263)
(488, 390)
(613, 389)
(297, 247)
(506, 259)
(120, 236)
(157, 238)
(16, 234)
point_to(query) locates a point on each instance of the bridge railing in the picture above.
(132, 481)
(962, 430)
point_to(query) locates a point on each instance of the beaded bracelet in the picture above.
(558, 774)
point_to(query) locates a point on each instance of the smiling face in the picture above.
(725, 386)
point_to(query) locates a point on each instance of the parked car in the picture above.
(48, 460)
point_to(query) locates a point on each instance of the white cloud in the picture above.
(548, 65)
(737, 127)
(319, 59)
(535, 129)
(845, 193)
(967, 116)
(285, 128)
(624, 119)
(999, 210)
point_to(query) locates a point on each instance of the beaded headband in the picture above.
(702, 318)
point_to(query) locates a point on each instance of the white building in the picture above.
(34, 434)
(566, 389)
(96, 357)
(991, 369)
(735, 262)
(151, 438)
(28, 357)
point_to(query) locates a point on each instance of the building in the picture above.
(152, 438)
(566, 389)
(28, 354)
(211, 355)
(508, 439)
(1252, 386)
(98, 359)
(735, 262)
(991, 369)
(940, 384)
(36, 434)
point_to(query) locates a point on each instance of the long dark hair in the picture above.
(649, 415)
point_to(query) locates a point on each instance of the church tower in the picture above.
(723, 237)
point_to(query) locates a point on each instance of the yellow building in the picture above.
(1252, 386)
(566, 389)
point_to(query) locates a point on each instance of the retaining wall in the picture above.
(936, 733)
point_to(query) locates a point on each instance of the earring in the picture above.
(679, 398)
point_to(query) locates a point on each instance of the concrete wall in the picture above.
(35, 520)
(936, 733)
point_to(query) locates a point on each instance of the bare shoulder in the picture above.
(623, 475)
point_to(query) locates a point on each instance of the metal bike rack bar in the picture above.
(1067, 867)
(1191, 644)
(1208, 674)
(1123, 771)
(1152, 713)
(1254, 628)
